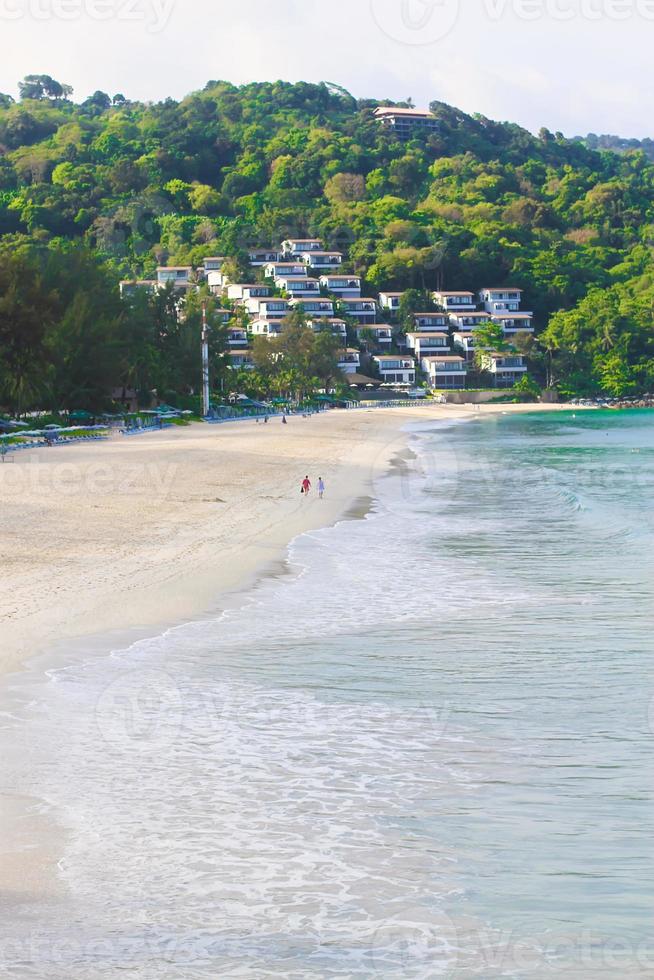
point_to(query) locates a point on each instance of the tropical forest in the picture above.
(99, 190)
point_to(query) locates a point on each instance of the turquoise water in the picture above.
(425, 751)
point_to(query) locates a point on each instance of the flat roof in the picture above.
(452, 292)
(393, 357)
(340, 275)
(445, 357)
(389, 110)
(513, 316)
(501, 289)
(428, 333)
(298, 279)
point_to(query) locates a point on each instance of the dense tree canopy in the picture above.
(122, 187)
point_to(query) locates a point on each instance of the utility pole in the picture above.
(205, 363)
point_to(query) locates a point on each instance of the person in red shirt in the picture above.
(306, 485)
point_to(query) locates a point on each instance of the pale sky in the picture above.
(572, 65)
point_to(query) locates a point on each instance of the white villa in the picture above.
(349, 360)
(363, 309)
(266, 328)
(382, 333)
(240, 291)
(300, 246)
(505, 367)
(181, 276)
(346, 286)
(455, 301)
(214, 263)
(466, 340)
(390, 301)
(258, 257)
(395, 370)
(271, 308)
(469, 321)
(423, 343)
(322, 260)
(504, 299)
(298, 286)
(445, 372)
(275, 270)
(406, 122)
(336, 326)
(240, 360)
(431, 321)
(237, 337)
(513, 323)
(216, 281)
(314, 308)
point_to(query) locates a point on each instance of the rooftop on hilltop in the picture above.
(386, 111)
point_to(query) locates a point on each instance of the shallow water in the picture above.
(424, 752)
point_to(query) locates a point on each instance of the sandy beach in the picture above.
(146, 531)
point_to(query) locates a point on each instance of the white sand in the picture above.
(149, 530)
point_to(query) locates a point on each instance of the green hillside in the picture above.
(105, 190)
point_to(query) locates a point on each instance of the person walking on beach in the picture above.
(321, 487)
(306, 486)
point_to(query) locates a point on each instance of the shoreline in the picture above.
(136, 537)
(371, 444)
